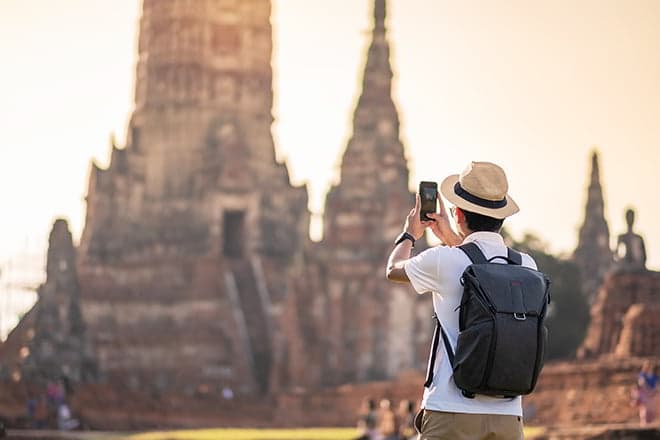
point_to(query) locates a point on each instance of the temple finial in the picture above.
(380, 12)
(595, 171)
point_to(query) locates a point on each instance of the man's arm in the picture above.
(401, 252)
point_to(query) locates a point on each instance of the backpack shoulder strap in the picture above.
(474, 253)
(514, 256)
(437, 332)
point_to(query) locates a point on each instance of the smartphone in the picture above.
(428, 194)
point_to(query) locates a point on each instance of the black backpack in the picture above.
(502, 335)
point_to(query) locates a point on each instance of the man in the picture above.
(481, 204)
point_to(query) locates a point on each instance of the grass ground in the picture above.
(250, 434)
(265, 434)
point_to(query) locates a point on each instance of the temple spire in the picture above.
(595, 204)
(374, 170)
(377, 79)
(375, 146)
(593, 254)
(361, 215)
(380, 12)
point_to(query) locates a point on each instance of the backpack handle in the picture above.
(477, 257)
(507, 259)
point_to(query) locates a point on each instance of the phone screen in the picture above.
(428, 194)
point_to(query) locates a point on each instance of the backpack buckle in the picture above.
(520, 316)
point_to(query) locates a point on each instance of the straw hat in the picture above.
(481, 188)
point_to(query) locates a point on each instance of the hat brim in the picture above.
(447, 190)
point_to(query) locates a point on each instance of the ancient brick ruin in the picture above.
(346, 319)
(624, 317)
(52, 341)
(626, 295)
(195, 270)
(190, 231)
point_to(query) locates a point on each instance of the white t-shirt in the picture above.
(438, 270)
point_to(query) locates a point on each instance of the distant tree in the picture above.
(568, 316)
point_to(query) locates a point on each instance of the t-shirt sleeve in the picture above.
(422, 271)
(528, 261)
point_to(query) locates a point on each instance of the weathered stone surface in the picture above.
(640, 333)
(621, 317)
(584, 393)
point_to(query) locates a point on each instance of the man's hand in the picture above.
(414, 226)
(401, 253)
(441, 227)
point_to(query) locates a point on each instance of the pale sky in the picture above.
(530, 85)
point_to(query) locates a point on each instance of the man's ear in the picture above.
(460, 217)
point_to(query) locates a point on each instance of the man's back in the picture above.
(481, 202)
(438, 270)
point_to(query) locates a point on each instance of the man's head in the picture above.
(469, 222)
(480, 196)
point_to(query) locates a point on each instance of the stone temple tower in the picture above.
(347, 317)
(362, 214)
(201, 122)
(374, 171)
(50, 343)
(191, 228)
(203, 87)
(593, 254)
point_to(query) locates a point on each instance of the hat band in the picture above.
(493, 204)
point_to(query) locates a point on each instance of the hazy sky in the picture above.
(531, 85)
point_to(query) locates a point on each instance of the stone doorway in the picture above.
(233, 234)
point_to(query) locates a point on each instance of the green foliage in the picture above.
(568, 315)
